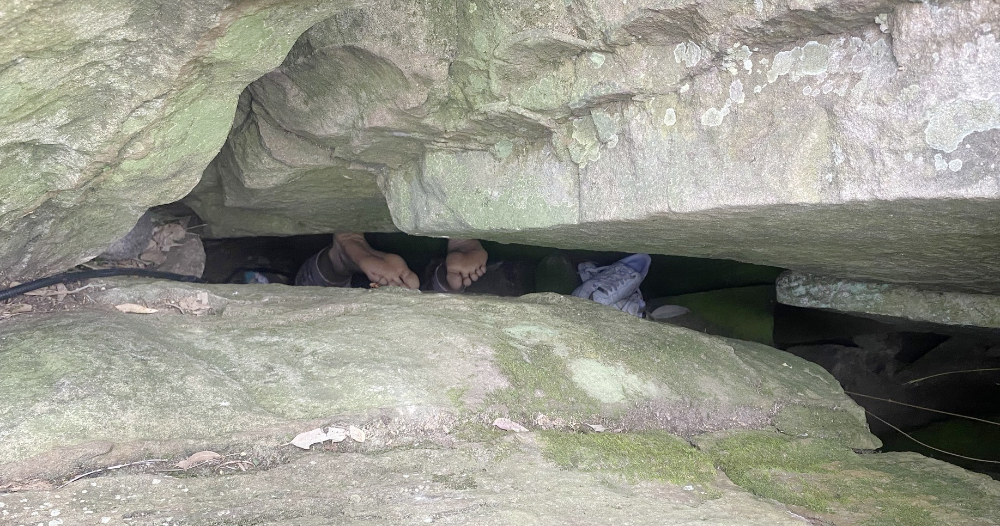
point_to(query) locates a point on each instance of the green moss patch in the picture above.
(635, 456)
(827, 478)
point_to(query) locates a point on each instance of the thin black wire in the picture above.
(67, 277)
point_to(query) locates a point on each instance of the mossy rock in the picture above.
(831, 482)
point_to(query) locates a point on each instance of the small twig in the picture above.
(111, 468)
(57, 292)
(924, 408)
(242, 464)
(953, 372)
(907, 435)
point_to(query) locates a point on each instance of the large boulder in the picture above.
(100, 406)
(889, 302)
(110, 107)
(820, 136)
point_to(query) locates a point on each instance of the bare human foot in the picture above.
(351, 253)
(466, 262)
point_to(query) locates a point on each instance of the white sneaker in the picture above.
(615, 283)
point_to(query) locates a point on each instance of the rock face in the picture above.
(424, 377)
(847, 138)
(889, 302)
(108, 108)
(850, 138)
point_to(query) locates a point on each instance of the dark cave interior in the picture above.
(883, 364)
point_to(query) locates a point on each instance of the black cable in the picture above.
(67, 277)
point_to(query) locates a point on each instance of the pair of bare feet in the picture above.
(466, 262)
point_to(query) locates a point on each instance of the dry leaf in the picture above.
(153, 256)
(597, 428)
(21, 308)
(61, 292)
(304, 440)
(132, 308)
(509, 425)
(196, 304)
(336, 434)
(307, 439)
(166, 236)
(198, 458)
(357, 434)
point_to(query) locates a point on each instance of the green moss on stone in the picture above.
(825, 477)
(539, 384)
(652, 455)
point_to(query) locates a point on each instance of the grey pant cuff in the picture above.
(439, 280)
(317, 271)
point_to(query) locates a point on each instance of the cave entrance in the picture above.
(911, 378)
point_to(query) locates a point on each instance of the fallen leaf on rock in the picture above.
(21, 308)
(198, 458)
(509, 425)
(336, 434)
(307, 439)
(166, 236)
(357, 434)
(153, 256)
(304, 440)
(597, 428)
(195, 304)
(132, 308)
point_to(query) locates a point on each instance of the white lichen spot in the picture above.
(748, 65)
(838, 155)
(815, 58)
(955, 165)
(782, 64)
(669, 117)
(758, 6)
(684, 88)
(908, 156)
(597, 59)
(950, 123)
(939, 163)
(502, 149)
(473, 7)
(736, 92)
(842, 90)
(713, 116)
(689, 53)
(757, 88)
(806, 90)
(882, 19)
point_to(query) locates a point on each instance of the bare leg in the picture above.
(466, 262)
(351, 253)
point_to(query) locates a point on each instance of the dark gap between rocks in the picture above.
(877, 358)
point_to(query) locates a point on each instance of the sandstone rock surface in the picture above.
(423, 376)
(848, 138)
(887, 301)
(110, 107)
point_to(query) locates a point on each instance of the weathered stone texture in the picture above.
(109, 107)
(274, 355)
(887, 301)
(424, 375)
(851, 138)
